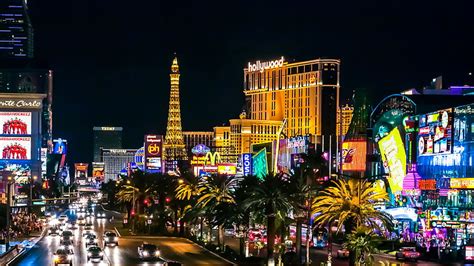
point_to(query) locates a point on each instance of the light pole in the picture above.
(32, 180)
(7, 242)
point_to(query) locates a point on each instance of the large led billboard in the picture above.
(394, 158)
(15, 148)
(354, 155)
(435, 133)
(15, 123)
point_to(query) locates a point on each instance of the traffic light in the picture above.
(168, 200)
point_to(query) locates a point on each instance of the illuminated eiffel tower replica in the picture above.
(174, 148)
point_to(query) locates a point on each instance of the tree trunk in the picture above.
(241, 247)
(181, 227)
(221, 236)
(175, 223)
(349, 226)
(270, 238)
(219, 243)
(298, 239)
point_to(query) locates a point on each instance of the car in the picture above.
(110, 238)
(407, 253)
(72, 225)
(343, 253)
(81, 221)
(89, 226)
(53, 231)
(85, 234)
(66, 242)
(91, 240)
(62, 218)
(62, 257)
(100, 215)
(95, 253)
(148, 251)
(67, 235)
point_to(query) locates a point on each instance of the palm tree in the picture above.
(213, 192)
(271, 199)
(363, 241)
(350, 204)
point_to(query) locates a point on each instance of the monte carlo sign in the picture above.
(21, 101)
(262, 66)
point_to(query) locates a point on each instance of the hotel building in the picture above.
(306, 93)
(344, 118)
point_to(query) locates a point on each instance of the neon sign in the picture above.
(247, 163)
(394, 156)
(261, 66)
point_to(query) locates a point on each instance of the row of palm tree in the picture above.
(275, 200)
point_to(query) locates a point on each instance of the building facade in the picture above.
(344, 118)
(115, 160)
(306, 93)
(193, 138)
(106, 138)
(16, 30)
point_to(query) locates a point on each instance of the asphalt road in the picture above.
(174, 249)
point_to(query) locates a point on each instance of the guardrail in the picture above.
(10, 255)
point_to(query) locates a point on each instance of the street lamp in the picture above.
(32, 180)
(9, 182)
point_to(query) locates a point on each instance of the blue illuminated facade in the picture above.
(16, 31)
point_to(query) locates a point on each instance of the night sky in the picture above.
(111, 58)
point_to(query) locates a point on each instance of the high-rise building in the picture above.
(16, 31)
(344, 118)
(115, 160)
(174, 148)
(193, 138)
(106, 138)
(306, 93)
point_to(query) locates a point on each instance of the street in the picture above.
(172, 249)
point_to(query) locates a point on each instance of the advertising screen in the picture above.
(98, 169)
(15, 148)
(260, 166)
(354, 155)
(394, 157)
(469, 253)
(435, 133)
(15, 123)
(60, 146)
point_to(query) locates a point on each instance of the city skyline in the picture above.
(212, 70)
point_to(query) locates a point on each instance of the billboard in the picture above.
(15, 123)
(260, 166)
(247, 164)
(435, 133)
(15, 148)
(394, 158)
(153, 152)
(354, 155)
(60, 146)
(227, 169)
(81, 169)
(98, 169)
(461, 183)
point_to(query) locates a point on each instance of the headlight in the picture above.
(157, 253)
(115, 238)
(95, 240)
(69, 257)
(49, 231)
(145, 253)
(55, 257)
(89, 254)
(61, 247)
(101, 254)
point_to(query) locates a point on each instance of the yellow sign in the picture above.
(227, 169)
(462, 183)
(394, 156)
(153, 149)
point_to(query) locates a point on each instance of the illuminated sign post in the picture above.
(153, 153)
(394, 156)
(247, 164)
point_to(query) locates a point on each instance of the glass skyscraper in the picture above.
(16, 31)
